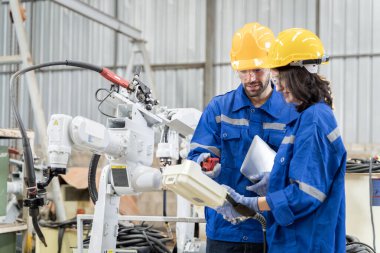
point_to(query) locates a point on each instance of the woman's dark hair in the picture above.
(306, 87)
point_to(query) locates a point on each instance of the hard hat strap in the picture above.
(324, 58)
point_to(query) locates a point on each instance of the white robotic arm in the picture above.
(64, 132)
(126, 142)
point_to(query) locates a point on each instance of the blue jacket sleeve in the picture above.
(311, 173)
(206, 138)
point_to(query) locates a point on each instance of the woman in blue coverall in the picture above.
(227, 127)
(304, 193)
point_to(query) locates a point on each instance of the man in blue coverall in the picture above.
(226, 130)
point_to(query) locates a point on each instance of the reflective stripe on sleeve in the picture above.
(310, 190)
(288, 139)
(212, 149)
(275, 126)
(335, 134)
(238, 122)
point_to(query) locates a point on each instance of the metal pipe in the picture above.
(155, 67)
(10, 59)
(208, 85)
(15, 187)
(100, 17)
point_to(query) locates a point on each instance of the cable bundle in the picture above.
(72, 223)
(142, 238)
(356, 165)
(353, 245)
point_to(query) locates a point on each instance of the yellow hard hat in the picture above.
(297, 47)
(250, 47)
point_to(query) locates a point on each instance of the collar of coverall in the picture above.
(272, 106)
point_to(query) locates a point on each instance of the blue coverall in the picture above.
(226, 130)
(306, 186)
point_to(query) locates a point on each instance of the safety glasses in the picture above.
(275, 79)
(244, 74)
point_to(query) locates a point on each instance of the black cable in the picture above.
(164, 195)
(92, 177)
(260, 218)
(251, 214)
(72, 223)
(97, 97)
(164, 162)
(264, 241)
(38, 230)
(356, 165)
(358, 247)
(147, 239)
(67, 223)
(61, 233)
(28, 155)
(165, 132)
(102, 100)
(142, 237)
(31, 180)
(196, 230)
(361, 168)
(84, 65)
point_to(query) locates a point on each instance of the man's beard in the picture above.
(256, 88)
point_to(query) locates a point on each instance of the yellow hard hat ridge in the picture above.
(250, 47)
(297, 47)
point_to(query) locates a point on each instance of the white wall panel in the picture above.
(351, 27)
(338, 31)
(375, 91)
(375, 31)
(327, 10)
(174, 30)
(365, 26)
(181, 88)
(287, 17)
(349, 35)
(350, 97)
(363, 83)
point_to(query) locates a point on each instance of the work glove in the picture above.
(260, 185)
(228, 211)
(217, 168)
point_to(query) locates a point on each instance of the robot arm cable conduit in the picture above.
(33, 201)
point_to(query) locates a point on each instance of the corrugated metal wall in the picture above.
(350, 31)
(175, 34)
(58, 34)
(232, 15)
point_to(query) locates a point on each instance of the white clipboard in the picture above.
(259, 158)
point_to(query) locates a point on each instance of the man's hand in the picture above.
(214, 172)
(228, 211)
(261, 185)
